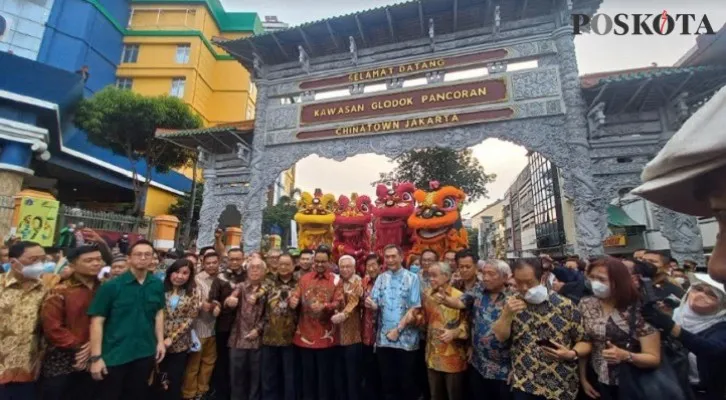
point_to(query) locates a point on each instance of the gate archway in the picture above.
(539, 108)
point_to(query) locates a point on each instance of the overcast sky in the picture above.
(594, 54)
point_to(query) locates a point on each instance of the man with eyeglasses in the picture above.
(127, 328)
(319, 295)
(222, 287)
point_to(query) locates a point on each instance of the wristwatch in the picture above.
(630, 357)
(577, 356)
(93, 359)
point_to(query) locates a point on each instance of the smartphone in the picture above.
(546, 343)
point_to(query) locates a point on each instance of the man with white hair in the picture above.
(446, 334)
(689, 174)
(490, 359)
(348, 323)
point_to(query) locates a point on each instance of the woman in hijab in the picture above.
(700, 324)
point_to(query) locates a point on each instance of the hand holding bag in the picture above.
(660, 383)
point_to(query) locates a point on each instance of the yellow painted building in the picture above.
(168, 50)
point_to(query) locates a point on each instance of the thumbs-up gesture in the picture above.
(614, 354)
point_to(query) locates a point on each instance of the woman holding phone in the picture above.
(606, 318)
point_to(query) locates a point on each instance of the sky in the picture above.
(506, 160)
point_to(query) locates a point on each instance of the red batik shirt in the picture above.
(370, 317)
(315, 330)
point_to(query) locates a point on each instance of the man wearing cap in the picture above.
(689, 174)
(66, 328)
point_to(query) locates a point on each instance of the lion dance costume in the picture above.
(437, 220)
(314, 217)
(351, 227)
(393, 208)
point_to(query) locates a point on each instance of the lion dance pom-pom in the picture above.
(437, 220)
(352, 229)
(314, 217)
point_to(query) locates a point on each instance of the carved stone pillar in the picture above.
(209, 212)
(682, 232)
(590, 205)
(254, 201)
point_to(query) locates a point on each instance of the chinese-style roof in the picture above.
(709, 50)
(216, 139)
(387, 25)
(646, 89)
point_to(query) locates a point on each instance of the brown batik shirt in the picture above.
(280, 320)
(249, 316)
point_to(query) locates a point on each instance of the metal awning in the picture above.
(617, 217)
(220, 139)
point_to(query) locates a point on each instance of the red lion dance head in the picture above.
(393, 207)
(352, 236)
(437, 220)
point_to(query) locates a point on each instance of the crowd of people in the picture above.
(222, 324)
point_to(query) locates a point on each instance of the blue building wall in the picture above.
(78, 33)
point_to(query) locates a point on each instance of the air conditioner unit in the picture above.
(5, 24)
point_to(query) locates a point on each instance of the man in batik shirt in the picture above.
(447, 331)
(369, 327)
(541, 371)
(348, 321)
(319, 295)
(490, 361)
(280, 322)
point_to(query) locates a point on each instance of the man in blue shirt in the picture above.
(396, 293)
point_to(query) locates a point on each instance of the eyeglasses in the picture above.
(142, 255)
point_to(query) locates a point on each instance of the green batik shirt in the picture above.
(533, 372)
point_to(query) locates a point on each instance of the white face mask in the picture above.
(34, 271)
(600, 290)
(681, 280)
(536, 295)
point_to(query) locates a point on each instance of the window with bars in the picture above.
(124, 83)
(130, 53)
(177, 87)
(182, 53)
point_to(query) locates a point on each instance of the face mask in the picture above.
(34, 271)
(680, 280)
(536, 295)
(600, 290)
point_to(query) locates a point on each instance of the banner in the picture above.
(38, 219)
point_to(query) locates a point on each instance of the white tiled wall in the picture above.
(26, 23)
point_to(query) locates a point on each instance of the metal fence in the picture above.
(6, 215)
(104, 221)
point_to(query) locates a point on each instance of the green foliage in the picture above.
(126, 123)
(449, 167)
(279, 214)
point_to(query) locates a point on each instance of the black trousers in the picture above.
(220, 376)
(317, 368)
(173, 366)
(19, 391)
(612, 392)
(371, 375)
(348, 372)
(278, 373)
(128, 381)
(494, 389)
(245, 373)
(74, 386)
(396, 366)
(422, 373)
(519, 395)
